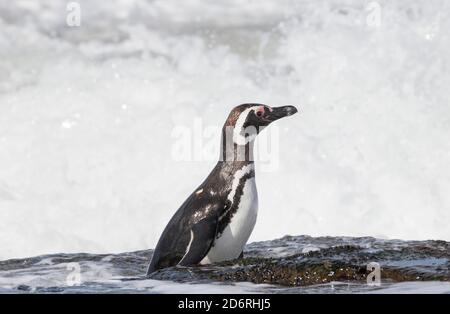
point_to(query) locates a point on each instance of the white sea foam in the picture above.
(86, 116)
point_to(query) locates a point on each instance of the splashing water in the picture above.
(299, 264)
(87, 114)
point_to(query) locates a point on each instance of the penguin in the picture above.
(216, 220)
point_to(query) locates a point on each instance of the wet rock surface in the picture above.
(303, 260)
(282, 265)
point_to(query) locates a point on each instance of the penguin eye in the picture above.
(260, 112)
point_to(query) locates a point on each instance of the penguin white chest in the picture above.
(232, 240)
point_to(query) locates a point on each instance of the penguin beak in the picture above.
(280, 112)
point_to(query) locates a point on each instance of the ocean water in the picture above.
(88, 113)
(300, 264)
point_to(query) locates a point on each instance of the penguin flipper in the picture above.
(203, 234)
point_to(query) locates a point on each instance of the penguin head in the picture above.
(247, 120)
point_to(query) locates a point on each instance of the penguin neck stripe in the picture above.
(245, 170)
(234, 197)
(230, 151)
(239, 134)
